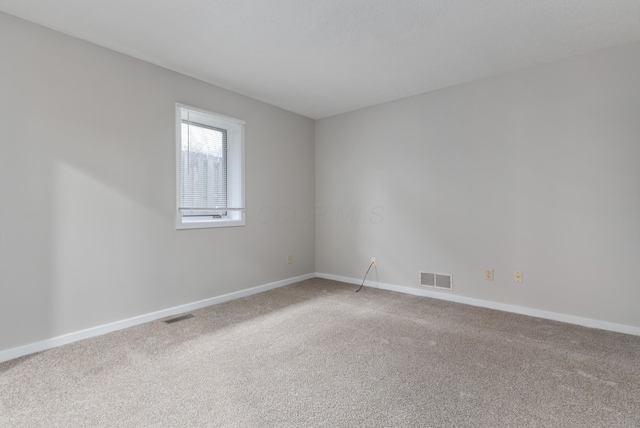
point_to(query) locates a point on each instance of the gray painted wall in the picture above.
(536, 170)
(87, 190)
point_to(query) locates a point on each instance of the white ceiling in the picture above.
(324, 57)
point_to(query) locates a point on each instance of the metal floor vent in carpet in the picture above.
(180, 318)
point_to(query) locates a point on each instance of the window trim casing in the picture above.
(235, 162)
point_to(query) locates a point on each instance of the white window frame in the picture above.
(235, 172)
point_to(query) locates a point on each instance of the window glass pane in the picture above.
(203, 169)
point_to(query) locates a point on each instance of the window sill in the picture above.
(204, 223)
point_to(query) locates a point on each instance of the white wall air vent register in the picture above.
(436, 280)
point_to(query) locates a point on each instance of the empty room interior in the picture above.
(319, 213)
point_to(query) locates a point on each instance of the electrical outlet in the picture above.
(289, 259)
(488, 274)
(517, 276)
(373, 261)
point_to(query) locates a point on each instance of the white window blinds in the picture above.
(211, 167)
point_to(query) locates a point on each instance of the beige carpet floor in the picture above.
(317, 354)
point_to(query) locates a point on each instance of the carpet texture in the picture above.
(317, 354)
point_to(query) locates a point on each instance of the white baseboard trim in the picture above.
(570, 319)
(43, 345)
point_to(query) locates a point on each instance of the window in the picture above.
(209, 169)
